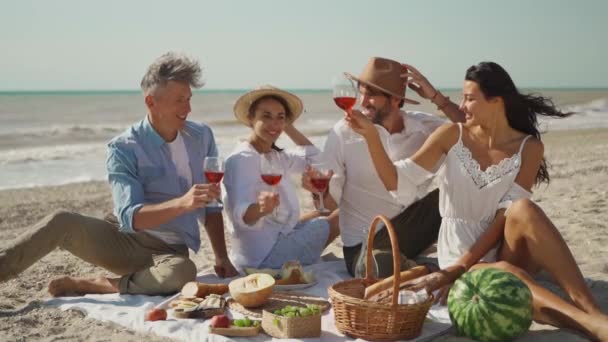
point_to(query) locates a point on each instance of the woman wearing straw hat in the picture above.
(267, 230)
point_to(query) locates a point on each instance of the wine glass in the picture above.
(213, 167)
(345, 95)
(272, 171)
(321, 174)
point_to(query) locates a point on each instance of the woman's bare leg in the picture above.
(532, 241)
(551, 309)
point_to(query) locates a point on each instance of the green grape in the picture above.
(305, 312)
(247, 321)
(290, 314)
(239, 323)
(278, 312)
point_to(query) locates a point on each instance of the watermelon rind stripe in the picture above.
(503, 308)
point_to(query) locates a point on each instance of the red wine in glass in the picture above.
(345, 94)
(214, 177)
(213, 168)
(344, 102)
(321, 174)
(271, 179)
(271, 170)
(320, 183)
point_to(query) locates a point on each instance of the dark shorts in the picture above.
(417, 228)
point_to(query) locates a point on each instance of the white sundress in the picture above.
(468, 196)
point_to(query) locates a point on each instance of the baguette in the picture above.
(386, 283)
(431, 282)
(201, 290)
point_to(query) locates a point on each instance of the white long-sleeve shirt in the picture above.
(243, 183)
(356, 186)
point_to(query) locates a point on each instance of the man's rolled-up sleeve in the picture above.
(409, 177)
(127, 190)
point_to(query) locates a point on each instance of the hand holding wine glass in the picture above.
(268, 201)
(320, 177)
(213, 167)
(360, 123)
(271, 171)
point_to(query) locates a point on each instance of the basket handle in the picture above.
(395, 250)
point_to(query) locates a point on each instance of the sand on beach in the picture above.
(576, 201)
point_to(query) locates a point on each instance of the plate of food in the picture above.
(290, 277)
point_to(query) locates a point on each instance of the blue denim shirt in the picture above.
(141, 171)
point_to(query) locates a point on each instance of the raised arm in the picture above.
(296, 136)
(427, 157)
(419, 83)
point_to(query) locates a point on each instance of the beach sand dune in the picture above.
(576, 200)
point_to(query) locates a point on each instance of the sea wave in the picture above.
(595, 106)
(54, 153)
(592, 114)
(64, 131)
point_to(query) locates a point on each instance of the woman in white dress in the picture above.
(267, 227)
(491, 163)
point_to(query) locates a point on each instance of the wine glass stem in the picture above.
(214, 203)
(275, 211)
(321, 204)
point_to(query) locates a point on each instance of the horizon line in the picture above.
(109, 90)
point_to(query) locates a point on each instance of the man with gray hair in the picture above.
(159, 192)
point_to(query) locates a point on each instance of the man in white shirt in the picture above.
(355, 187)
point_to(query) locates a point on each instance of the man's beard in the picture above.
(381, 114)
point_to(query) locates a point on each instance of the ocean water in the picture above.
(50, 138)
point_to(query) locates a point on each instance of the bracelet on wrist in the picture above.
(446, 101)
(434, 96)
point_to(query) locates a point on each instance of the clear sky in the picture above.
(90, 45)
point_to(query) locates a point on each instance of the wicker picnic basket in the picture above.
(376, 321)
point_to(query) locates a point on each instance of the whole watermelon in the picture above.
(490, 305)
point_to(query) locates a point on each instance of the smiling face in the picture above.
(268, 119)
(376, 105)
(169, 107)
(478, 109)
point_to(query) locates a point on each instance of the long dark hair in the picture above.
(280, 100)
(522, 110)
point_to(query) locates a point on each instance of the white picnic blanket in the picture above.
(129, 311)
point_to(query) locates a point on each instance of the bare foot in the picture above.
(65, 286)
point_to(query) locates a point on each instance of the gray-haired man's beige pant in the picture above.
(146, 264)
